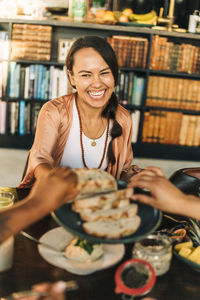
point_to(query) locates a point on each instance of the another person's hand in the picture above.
(56, 188)
(164, 195)
(53, 291)
(129, 172)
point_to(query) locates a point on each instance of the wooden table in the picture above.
(179, 283)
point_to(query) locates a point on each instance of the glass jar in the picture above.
(155, 249)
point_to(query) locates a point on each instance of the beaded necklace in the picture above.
(81, 139)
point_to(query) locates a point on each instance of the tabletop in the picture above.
(179, 283)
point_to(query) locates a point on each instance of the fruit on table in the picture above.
(108, 16)
(127, 12)
(187, 250)
(100, 13)
(123, 18)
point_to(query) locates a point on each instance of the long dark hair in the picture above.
(108, 54)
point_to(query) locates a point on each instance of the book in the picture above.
(196, 140)
(27, 121)
(191, 128)
(39, 80)
(145, 126)
(136, 120)
(130, 51)
(183, 130)
(35, 113)
(130, 87)
(139, 90)
(22, 111)
(133, 100)
(125, 88)
(162, 127)
(156, 126)
(63, 83)
(26, 82)
(175, 128)
(17, 81)
(12, 117)
(32, 80)
(31, 42)
(121, 86)
(3, 110)
(150, 128)
(22, 82)
(1, 81)
(12, 79)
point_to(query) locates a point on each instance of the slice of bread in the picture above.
(128, 211)
(112, 229)
(108, 205)
(101, 200)
(94, 181)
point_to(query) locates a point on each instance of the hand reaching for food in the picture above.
(129, 172)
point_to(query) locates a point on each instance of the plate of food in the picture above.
(78, 256)
(104, 213)
(188, 248)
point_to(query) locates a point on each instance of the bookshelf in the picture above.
(169, 88)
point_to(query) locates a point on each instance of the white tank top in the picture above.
(72, 155)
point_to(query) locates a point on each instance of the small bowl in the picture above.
(129, 282)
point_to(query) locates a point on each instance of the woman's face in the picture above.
(92, 77)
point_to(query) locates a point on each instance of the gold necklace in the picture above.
(81, 140)
(94, 143)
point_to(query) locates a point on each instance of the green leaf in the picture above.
(84, 244)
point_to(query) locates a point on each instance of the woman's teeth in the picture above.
(97, 94)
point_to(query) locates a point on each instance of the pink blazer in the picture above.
(53, 127)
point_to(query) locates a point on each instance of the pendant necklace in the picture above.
(93, 142)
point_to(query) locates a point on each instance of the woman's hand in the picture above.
(129, 172)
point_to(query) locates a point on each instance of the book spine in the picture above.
(136, 120)
(126, 88)
(22, 105)
(139, 90)
(3, 108)
(12, 116)
(12, 79)
(31, 81)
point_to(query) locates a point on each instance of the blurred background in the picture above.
(35, 8)
(183, 8)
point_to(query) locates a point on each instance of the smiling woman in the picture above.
(86, 129)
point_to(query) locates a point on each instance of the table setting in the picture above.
(40, 256)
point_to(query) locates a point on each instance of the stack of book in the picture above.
(37, 81)
(130, 88)
(173, 128)
(130, 51)
(23, 117)
(173, 93)
(31, 42)
(169, 56)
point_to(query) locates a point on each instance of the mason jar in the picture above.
(157, 250)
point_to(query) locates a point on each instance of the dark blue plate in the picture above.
(150, 220)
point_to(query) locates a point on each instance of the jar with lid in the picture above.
(193, 21)
(155, 249)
